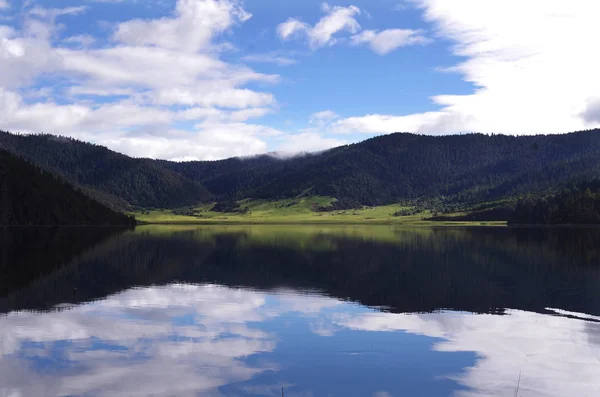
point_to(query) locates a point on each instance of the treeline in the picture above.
(572, 206)
(30, 196)
(230, 207)
(114, 179)
(450, 172)
(439, 173)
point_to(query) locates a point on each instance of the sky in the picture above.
(211, 79)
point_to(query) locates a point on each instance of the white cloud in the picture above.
(228, 98)
(291, 27)
(222, 135)
(323, 119)
(337, 19)
(400, 7)
(343, 19)
(81, 39)
(308, 141)
(270, 58)
(192, 28)
(323, 115)
(77, 119)
(591, 113)
(99, 91)
(422, 123)
(24, 55)
(533, 69)
(247, 114)
(141, 66)
(160, 71)
(312, 139)
(208, 141)
(389, 40)
(42, 12)
(4, 4)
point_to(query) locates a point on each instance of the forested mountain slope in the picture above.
(112, 178)
(470, 168)
(578, 205)
(463, 169)
(30, 196)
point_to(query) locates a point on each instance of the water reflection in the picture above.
(190, 340)
(177, 340)
(556, 356)
(341, 312)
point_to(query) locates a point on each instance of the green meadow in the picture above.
(295, 211)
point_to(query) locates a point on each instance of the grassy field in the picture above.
(296, 211)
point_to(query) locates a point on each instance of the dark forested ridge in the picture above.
(467, 168)
(457, 169)
(30, 196)
(112, 178)
(578, 205)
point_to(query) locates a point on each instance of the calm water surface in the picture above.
(319, 311)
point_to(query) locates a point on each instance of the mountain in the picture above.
(30, 196)
(112, 178)
(465, 168)
(458, 169)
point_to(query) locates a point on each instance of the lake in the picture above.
(310, 311)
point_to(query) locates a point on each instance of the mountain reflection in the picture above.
(30, 253)
(480, 270)
(242, 311)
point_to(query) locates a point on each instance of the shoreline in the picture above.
(327, 223)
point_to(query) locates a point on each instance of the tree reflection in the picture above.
(479, 270)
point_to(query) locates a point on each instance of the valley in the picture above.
(401, 178)
(299, 211)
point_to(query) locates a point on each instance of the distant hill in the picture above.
(458, 169)
(30, 196)
(464, 168)
(112, 178)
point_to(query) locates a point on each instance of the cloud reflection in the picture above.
(177, 340)
(556, 355)
(190, 340)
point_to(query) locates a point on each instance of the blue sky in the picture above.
(208, 79)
